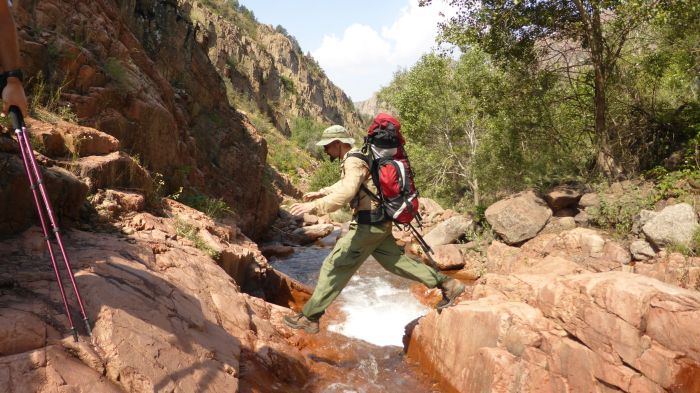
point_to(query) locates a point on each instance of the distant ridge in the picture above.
(371, 106)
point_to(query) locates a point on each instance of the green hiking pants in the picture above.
(348, 255)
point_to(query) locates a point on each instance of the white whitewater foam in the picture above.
(376, 311)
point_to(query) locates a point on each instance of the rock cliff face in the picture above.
(161, 77)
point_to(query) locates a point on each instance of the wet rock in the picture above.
(283, 290)
(276, 250)
(311, 233)
(519, 217)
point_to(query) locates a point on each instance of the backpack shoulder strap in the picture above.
(367, 161)
(361, 156)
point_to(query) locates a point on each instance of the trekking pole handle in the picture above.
(16, 118)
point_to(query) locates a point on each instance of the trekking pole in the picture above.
(36, 182)
(426, 248)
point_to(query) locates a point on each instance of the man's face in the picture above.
(333, 150)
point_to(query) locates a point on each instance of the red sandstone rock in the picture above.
(171, 320)
(448, 257)
(577, 333)
(17, 209)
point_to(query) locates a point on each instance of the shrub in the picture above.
(326, 174)
(45, 100)
(618, 212)
(191, 232)
(305, 133)
(212, 207)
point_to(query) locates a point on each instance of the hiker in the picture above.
(12, 89)
(369, 234)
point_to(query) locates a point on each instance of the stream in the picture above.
(369, 318)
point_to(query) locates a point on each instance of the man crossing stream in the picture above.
(370, 234)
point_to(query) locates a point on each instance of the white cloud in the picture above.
(363, 59)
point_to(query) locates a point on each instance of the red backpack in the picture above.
(390, 169)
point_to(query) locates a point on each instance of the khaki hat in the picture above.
(333, 133)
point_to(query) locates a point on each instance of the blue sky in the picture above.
(361, 43)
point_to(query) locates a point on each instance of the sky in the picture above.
(360, 44)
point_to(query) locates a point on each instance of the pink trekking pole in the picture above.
(36, 182)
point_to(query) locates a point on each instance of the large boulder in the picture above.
(675, 224)
(115, 170)
(62, 137)
(594, 332)
(587, 248)
(519, 217)
(448, 231)
(448, 257)
(562, 197)
(17, 209)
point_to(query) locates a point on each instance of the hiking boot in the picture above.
(300, 321)
(451, 289)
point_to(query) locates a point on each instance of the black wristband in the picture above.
(7, 74)
(15, 73)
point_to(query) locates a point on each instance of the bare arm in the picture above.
(13, 93)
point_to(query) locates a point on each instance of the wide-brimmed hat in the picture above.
(335, 133)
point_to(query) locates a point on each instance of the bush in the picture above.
(305, 133)
(618, 212)
(212, 207)
(327, 174)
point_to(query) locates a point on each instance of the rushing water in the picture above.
(376, 306)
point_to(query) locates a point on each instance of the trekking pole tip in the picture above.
(75, 334)
(87, 327)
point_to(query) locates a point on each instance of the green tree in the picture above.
(441, 119)
(540, 33)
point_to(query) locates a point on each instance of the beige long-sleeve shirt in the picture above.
(354, 172)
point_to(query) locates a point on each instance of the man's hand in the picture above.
(310, 196)
(299, 209)
(13, 94)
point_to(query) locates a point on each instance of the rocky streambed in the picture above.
(181, 303)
